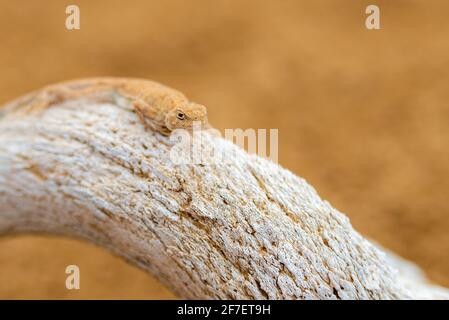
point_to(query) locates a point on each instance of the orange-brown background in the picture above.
(362, 115)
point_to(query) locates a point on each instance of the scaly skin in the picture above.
(160, 108)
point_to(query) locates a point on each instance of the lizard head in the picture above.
(185, 115)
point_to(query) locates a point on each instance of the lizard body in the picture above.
(159, 107)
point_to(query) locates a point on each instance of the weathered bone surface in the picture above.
(241, 230)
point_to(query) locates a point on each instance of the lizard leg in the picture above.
(147, 117)
(40, 102)
(57, 94)
(140, 108)
(49, 96)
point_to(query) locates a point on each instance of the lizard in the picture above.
(158, 107)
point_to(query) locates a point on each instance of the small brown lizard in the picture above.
(159, 107)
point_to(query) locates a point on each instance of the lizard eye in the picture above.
(180, 116)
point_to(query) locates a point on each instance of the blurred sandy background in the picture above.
(362, 115)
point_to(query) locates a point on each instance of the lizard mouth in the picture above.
(165, 130)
